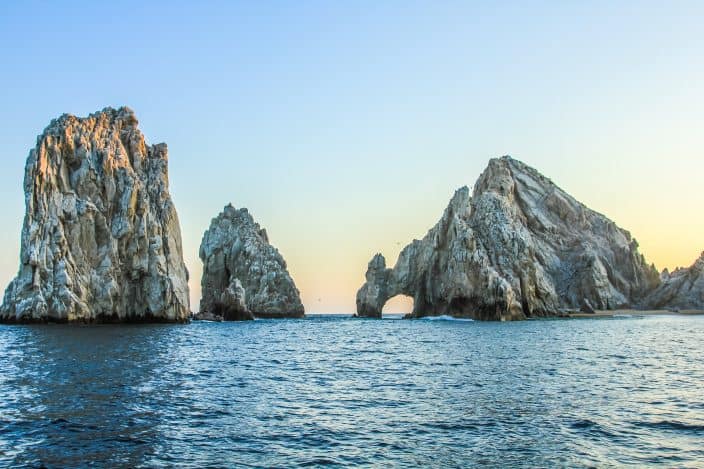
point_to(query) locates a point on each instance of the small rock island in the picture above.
(244, 277)
(101, 240)
(518, 247)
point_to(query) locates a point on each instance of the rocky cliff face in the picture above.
(101, 239)
(237, 257)
(681, 289)
(518, 247)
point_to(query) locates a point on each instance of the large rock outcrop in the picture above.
(518, 247)
(238, 260)
(682, 289)
(101, 240)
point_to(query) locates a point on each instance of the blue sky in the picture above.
(345, 127)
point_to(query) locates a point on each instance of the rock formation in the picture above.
(230, 306)
(244, 275)
(681, 289)
(101, 240)
(519, 247)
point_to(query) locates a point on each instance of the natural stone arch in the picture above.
(519, 247)
(398, 304)
(383, 284)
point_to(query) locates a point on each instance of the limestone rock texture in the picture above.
(231, 305)
(101, 240)
(682, 289)
(518, 247)
(241, 268)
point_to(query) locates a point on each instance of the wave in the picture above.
(445, 317)
(671, 425)
(585, 423)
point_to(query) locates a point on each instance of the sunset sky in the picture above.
(345, 127)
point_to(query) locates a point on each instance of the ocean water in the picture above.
(355, 392)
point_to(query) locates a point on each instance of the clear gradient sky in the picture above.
(345, 127)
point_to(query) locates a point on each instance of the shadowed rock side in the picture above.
(243, 275)
(101, 240)
(519, 247)
(681, 289)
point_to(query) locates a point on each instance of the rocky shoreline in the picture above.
(636, 313)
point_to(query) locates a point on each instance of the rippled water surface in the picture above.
(335, 390)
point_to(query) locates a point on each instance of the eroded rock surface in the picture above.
(101, 240)
(230, 306)
(682, 289)
(518, 247)
(240, 264)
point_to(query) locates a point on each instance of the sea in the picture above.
(337, 391)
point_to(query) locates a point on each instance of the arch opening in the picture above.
(397, 306)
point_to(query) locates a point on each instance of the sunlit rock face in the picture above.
(243, 275)
(519, 247)
(101, 240)
(681, 289)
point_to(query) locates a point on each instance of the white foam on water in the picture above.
(445, 317)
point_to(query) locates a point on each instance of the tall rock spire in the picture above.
(101, 240)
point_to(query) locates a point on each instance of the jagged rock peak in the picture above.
(108, 113)
(235, 250)
(681, 289)
(101, 239)
(518, 247)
